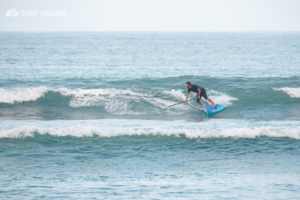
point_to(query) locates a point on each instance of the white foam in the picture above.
(18, 95)
(88, 131)
(80, 93)
(292, 92)
(114, 101)
(220, 98)
(177, 94)
(113, 128)
(127, 103)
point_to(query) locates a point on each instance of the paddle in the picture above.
(178, 103)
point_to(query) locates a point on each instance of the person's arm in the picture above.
(187, 96)
(199, 92)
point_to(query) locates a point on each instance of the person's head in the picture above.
(188, 84)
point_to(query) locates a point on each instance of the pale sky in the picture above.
(153, 15)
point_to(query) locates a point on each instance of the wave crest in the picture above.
(221, 98)
(292, 92)
(89, 131)
(18, 95)
(134, 101)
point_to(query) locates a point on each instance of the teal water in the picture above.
(81, 116)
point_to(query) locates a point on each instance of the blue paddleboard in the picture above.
(210, 110)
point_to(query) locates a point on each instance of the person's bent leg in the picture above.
(203, 93)
(199, 102)
(208, 99)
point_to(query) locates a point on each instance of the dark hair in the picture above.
(189, 83)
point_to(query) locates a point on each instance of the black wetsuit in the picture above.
(194, 88)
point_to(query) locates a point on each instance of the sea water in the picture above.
(82, 115)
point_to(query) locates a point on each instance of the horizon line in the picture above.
(159, 31)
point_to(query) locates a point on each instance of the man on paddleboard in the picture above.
(201, 92)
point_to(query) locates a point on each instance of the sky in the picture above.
(150, 15)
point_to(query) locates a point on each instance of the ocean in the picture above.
(82, 115)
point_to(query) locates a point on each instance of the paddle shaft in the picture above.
(179, 103)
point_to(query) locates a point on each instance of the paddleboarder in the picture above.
(200, 93)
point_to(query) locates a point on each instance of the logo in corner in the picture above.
(12, 13)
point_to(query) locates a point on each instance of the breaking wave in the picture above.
(108, 128)
(134, 101)
(89, 131)
(292, 92)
